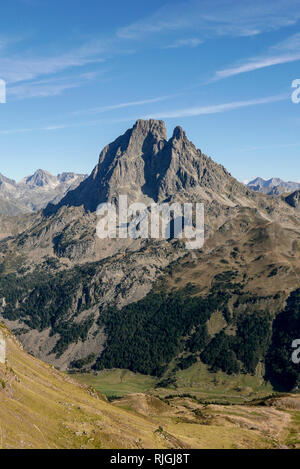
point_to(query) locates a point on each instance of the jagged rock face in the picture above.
(145, 166)
(126, 166)
(294, 200)
(129, 165)
(189, 172)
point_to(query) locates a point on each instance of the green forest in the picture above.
(280, 369)
(148, 335)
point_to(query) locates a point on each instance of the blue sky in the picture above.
(79, 73)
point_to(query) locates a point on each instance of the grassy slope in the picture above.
(43, 408)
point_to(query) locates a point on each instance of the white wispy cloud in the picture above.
(49, 87)
(216, 18)
(51, 127)
(6, 41)
(187, 24)
(188, 42)
(111, 107)
(185, 112)
(25, 67)
(18, 69)
(216, 108)
(253, 65)
(286, 51)
(15, 131)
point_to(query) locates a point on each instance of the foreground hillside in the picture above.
(42, 408)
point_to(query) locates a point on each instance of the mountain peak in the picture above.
(178, 133)
(153, 126)
(147, 167)
(40, 178)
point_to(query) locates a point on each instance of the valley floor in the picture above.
(207, 410)
(196, 381)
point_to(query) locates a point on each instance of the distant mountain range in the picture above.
(34, 192)
(43, 189)
(273, 186)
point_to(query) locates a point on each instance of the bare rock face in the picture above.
(129, 165)
(294, 200)
(147, 167)
(126, 166)
(187, 172)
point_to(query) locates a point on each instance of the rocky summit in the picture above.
(150, 305)
(147, 166)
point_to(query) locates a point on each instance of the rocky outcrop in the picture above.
(294, 199)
